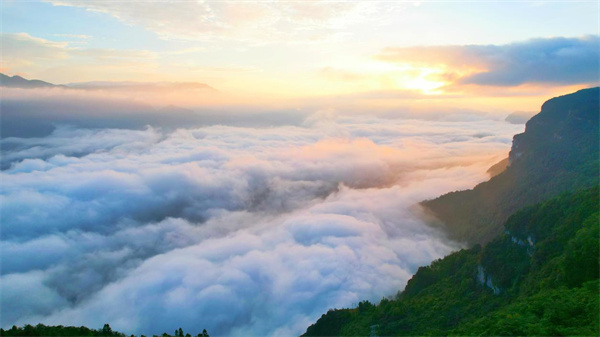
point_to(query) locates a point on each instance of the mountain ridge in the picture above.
(538, 278)
(558, 152)
(535, 274)
(17, 81)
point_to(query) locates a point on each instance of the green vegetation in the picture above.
(44, 330)
(557, 153)
(541, 277)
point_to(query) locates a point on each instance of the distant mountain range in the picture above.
(140, 86)
(19, 82)
(26, 117)
(538, 270)
(22, 83)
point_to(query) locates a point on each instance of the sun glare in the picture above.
(422, 79)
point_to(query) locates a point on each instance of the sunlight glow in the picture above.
(423, 79)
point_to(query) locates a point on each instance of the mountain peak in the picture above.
(17, 81)
(558, 152)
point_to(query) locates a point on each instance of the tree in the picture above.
(106, 330)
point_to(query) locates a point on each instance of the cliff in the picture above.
(558, 152)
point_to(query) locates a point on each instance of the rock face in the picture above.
(558, 152)
(563, 122)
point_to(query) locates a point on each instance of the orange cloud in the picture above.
(558, 61)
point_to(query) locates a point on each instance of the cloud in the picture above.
(74, 36)
(103, 54)
(562, 61)
(340, 74)
(255, 22)
(239, 230)
(26, 54)
(405, 94)
(30, 113)
(141, 86)
(22, 49)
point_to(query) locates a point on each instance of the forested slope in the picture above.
(539, 277)
(558, 152)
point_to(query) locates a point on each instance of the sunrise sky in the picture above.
(470, 53)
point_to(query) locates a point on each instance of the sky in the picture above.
(245, 166)
(288, 52)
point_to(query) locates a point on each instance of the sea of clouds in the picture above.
(237, 230)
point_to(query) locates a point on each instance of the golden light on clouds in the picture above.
(422, 79)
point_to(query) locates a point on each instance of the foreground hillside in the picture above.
(558, 152)
(540, 277)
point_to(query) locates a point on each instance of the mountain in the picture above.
(498, 168)
(519, 117)
(24, 117)
(533, 268)
(558, 152)
(540, 277)
(141, 86)
(19, 82)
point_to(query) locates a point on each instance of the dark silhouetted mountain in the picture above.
(558, 152)
(19, 82)
(540, 277)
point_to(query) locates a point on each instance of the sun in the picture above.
(422, 79)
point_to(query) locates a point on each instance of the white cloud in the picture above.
(23, 53)
(257, 22)
(22, 49)
(238, 230)
(74, 36)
